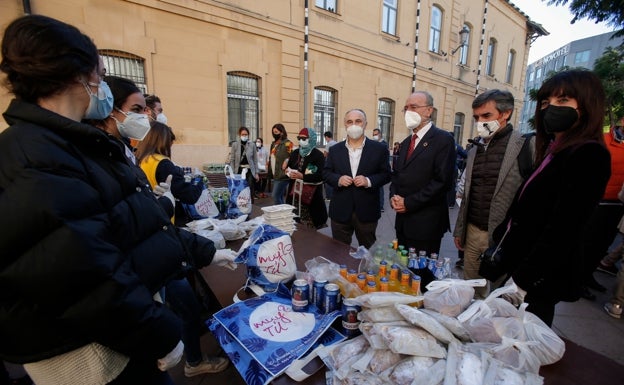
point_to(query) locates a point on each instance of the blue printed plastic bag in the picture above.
(263, 336)
(269, 256)
(240, 193)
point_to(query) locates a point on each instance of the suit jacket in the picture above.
(363, 201)
(509, 179)
(543, 248)
(250, 152)
(424, 181)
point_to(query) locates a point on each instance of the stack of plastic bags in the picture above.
(280, 216)
(453, 340)
(221, 230)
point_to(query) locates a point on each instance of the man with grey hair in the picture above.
(494, 172)
(422, 179)
(356, 169)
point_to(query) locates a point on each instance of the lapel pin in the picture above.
(425, 144)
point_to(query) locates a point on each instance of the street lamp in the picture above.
(463, 39)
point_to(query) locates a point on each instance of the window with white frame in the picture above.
(489, 61)
(324, 110)
(328, 5)
(389, 16)
(385, 111)
(435, 29)
(463, 51)
(125, 65)
(458, 126)
(511, 58)
(243, 99)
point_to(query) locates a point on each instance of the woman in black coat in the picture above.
(542, 249)
(85, 244)
(307, 163)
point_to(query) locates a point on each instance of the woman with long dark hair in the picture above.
(542, 250)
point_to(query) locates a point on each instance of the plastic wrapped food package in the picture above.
(451, 323)
(412, 341)
(450, 296)
(380, 314)
(426, 322)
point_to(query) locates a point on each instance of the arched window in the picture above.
(458, 126)
(489, 61)
(243, 98)
(125, 65)
(435, 29)
(385, 112)
(325, 110)
(511, 58)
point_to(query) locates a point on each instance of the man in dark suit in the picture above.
(423, 178)
(356, 169)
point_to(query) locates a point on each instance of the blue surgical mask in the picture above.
(134, 126)
(101, 103)
(244, 138)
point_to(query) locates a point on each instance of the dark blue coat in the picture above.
(424, 180)
(374, 164)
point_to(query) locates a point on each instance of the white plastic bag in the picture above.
(451, 296)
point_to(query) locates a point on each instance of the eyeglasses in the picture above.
(414, 107)
(302, 137)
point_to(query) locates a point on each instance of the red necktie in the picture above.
(411, 147)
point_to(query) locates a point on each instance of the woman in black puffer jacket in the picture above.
(85, 245)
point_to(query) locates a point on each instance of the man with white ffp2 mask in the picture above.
(356, 169)
(422, 178)
(493, 174)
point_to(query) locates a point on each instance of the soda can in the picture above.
(332, 298)
(300, 295)
(318, 293)
(350, 323)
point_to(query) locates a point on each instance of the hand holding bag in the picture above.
(491, 264)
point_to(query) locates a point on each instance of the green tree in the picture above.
(610, 69)
(609, 11)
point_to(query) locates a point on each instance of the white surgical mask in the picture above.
(134, 126)
(303, 142)
(412, 120)
(354, 131)
(487, 129)
(258, 144)
(101, 103)
(244, 138)
(161, 118)
(376, 137)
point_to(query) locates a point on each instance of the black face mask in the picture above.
(277, 136)
(558, 118)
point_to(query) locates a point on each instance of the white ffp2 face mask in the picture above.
(162, 118)
(354, 131)
(134, 126)
(487, 129)
(412, 120)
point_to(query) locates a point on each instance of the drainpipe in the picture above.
(26, 5)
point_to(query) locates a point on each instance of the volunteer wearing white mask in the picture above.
(494, 171)
(128, 120)
(156, 111)
(422, 179)
(356, 169)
